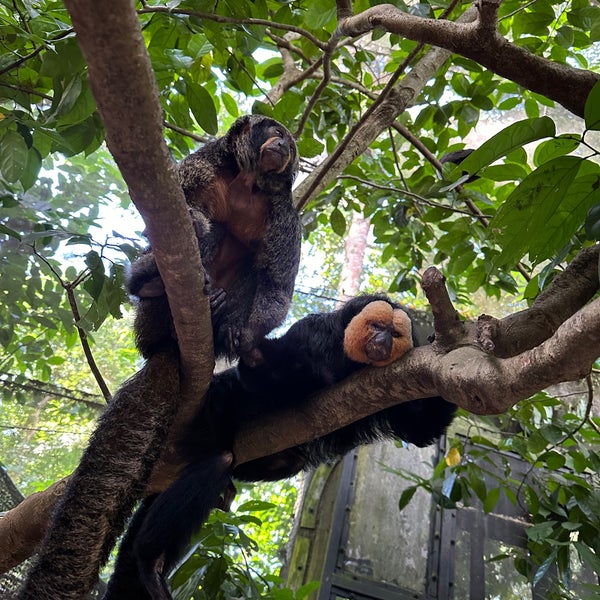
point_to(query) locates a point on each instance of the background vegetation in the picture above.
(67, 230)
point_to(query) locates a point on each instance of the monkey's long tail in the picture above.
(125, 582)
(176, 515)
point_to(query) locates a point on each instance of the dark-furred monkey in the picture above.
(316, 352)
(239, 190)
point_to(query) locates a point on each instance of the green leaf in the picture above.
(512, 137)
(13, 156)
(255, 505)
(67, 98)
(491, 500)
(555, 147)
(309, 147)
(591, 111)
(588, 556)
(553, 460)
(540, 532)
(338, 222)
(592, 223)
(307, 589)
(10, 232)
(203, 107)
(32, 169)
(527, 222)
(543, 569)
(230, 104)
(406, 496)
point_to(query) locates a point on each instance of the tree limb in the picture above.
(481, 41)
(456, 366)
(110, 38)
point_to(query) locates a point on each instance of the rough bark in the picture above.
(481, 41)
(484, 369)
(123, 83)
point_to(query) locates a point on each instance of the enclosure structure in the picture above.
(353, 539)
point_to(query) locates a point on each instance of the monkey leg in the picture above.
(176, 515)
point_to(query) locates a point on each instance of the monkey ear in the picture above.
(378, 330)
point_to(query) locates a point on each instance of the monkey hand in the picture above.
(241, 341)
(217, 300)
(253, 358)
(200, 222)
(151, 289)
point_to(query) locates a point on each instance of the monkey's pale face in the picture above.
(378, 335)
(277, 151)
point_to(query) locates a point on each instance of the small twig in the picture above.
(221, 19)
(34, 53)
(448, 327)
(327, 54)
(83, 337)
(406, 192)
(197, 138)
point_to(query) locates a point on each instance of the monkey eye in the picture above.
(378, 326)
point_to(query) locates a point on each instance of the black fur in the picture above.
(308, 358)
(251, 275)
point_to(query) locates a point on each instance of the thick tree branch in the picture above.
(481, 41)
(456, 366)
(118, 64)
(110, 38)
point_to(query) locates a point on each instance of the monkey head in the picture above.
(265, 147)
(378, 335)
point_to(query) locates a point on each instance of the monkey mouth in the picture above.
(274, 159)
(379, 350)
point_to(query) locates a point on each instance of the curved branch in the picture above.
(111, 41)
(222, 19)
(481, 41)
(455, 366)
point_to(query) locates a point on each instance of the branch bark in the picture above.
(481, 41)
(110, 38)
(457, 366)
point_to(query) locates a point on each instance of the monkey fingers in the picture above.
(151, 289)
(200, 222)
(217, 301)
(227, 497)
(253, 358)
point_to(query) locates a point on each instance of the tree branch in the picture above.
(481, 41)
(456, 366)
(111, 41)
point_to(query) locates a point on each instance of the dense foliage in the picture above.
(64, 238)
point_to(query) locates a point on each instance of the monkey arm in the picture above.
(276, 265)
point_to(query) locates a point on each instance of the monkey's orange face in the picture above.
(378, 335)
(277, 151)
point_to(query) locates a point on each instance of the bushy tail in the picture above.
(176, 515)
